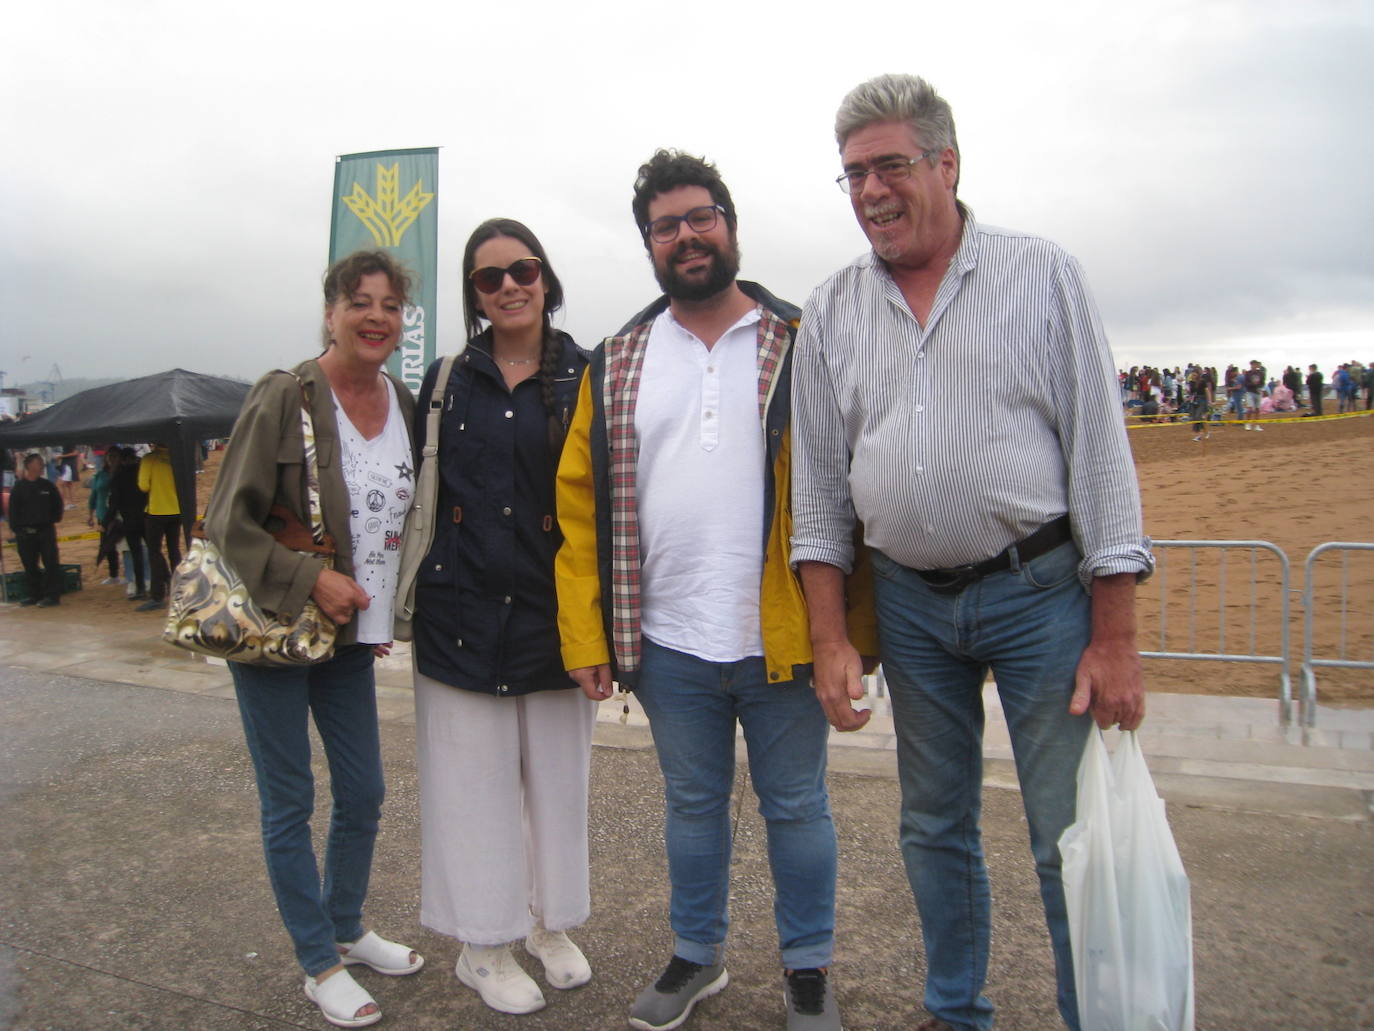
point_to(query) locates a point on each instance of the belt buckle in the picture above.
(949, 581)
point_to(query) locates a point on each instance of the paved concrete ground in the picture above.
(132, 893)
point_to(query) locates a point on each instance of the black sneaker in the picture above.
(48, 603)
(810, 1004)
(667, 1002)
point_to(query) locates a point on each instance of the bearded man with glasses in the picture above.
(1005, 530)
(673, 581)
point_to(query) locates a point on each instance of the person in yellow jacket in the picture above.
(673, 579)
(162, 523)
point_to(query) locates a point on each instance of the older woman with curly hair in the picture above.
(361, 419)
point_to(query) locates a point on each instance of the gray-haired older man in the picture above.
(954, 391)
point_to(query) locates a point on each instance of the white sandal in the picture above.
(385, 957)
(339, 998)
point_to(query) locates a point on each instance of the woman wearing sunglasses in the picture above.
(503, 735)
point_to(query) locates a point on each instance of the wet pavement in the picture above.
(132, 891)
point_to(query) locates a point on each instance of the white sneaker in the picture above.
(1248, 426)
(1259, 429)
(564, 964)
(498, 979)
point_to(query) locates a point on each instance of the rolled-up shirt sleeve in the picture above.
(1104, 496)
(822, 510)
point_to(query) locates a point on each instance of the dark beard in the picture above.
(724, 269)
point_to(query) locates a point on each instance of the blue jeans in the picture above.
(692, 705)
(276, 705)
(1029, 626)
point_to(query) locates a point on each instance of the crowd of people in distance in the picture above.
(133, 500)
(1201, 394)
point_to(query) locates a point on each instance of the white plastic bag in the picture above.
(1130, 918)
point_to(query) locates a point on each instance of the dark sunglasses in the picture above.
(490, 279)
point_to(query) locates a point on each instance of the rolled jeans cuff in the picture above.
(809, 957)
(696, 952)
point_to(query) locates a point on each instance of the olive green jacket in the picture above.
(265, 466)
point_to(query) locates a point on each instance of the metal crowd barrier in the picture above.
(1341, 660)
(1249, 648)
(1179, 602)
(875, 686)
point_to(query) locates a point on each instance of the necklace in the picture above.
(519, 361)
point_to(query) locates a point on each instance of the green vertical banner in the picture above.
(386, 199)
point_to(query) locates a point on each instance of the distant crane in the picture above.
(54, 378)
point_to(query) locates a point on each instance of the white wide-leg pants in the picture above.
(503, 810)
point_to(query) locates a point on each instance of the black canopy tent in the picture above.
(175, 408)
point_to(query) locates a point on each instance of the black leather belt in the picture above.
(955, 579)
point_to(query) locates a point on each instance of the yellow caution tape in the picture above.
(1181, 419)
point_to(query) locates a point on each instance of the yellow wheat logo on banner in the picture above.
(388, 215)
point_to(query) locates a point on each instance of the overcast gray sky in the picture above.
(169, 165)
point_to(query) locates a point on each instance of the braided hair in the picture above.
(552, 350)
(549, 361)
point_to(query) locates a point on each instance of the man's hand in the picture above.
(838, 669)
(595, 681)
(1110, 684)
(1109, 681)
(838, 666)
(338, 596)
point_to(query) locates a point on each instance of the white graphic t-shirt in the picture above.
(381, 487)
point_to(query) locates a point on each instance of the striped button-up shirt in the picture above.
(953, 440)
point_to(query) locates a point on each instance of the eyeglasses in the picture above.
(889, 172)
(699, 220)
(490, 279)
